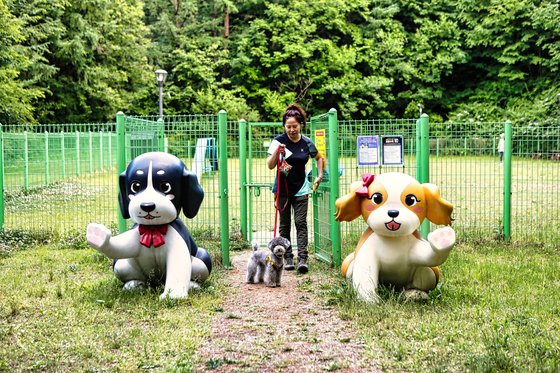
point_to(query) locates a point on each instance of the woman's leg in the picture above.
(300, 219)
(285, 223)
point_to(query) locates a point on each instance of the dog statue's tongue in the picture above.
(392, 225)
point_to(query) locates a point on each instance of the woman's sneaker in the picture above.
(289, 264)
(302, 265)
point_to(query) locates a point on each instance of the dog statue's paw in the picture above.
(194, 285)
(98, 236)
(134, 285)
(174, 294)
(442, 238)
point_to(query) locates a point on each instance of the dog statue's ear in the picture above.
(191, 194)
(439, 210)
(123, 196)
(348, 206)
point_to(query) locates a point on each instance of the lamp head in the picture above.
(160, 76)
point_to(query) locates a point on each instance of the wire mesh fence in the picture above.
(61, 177)
(56, 175)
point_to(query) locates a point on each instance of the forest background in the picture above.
(65, 61)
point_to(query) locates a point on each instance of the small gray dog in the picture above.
(267, 265)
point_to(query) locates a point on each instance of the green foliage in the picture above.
(16, 95)
(88, 57)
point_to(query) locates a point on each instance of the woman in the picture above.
(294, 188)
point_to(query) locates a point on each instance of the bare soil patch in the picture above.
(286, 329)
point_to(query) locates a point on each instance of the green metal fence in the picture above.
(61, 177)
(517, 199)
(259, 180)
(326, 230)
(55, 176)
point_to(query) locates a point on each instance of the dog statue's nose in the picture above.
(393, 213)
(148, 206)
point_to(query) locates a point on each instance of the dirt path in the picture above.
(284, 329)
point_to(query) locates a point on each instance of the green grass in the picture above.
(62, 309)
(497, 308)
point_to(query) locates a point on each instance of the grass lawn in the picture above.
(62, 309)
(497, 308)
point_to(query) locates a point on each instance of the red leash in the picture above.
(279, 162)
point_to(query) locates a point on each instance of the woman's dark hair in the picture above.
(294, 111)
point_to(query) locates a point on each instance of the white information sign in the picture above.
(392, 150)
(368, 150)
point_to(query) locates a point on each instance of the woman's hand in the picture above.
(317, 181)
(272, 160)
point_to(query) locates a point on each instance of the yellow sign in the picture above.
(321, 143)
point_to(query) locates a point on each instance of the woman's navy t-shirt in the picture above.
(296, 179)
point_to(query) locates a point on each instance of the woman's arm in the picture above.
(320, 164)
(272, 159)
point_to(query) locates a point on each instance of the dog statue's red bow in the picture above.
(367, 179)
(152, 234)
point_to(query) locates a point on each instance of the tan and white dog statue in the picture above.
(391, 250)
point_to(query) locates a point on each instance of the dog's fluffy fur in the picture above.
(267, 265)
(153, 190)
(391, 250)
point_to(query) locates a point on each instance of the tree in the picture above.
(16, 95)
(89, 57)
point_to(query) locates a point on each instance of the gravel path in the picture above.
(284, 329)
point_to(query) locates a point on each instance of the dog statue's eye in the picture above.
(135, 187)
(377, 198)
(165, 187)
(411, 200)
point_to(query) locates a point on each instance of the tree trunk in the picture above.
(226, 23)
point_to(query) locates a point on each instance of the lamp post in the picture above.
(160, 78)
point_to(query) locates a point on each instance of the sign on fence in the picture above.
(392, 150)
(368, 150)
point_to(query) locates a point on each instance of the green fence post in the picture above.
(223, 181)
(46, 158)
(101, 149)
(77, 153)
(1, 177)
(90, 153)
(26, 165)
(63, 154)
(110, 149)
(121, 161)
(334, 187)
(315, 198)
(243, 177)
(507, 179)
(424, 146)
(418, 153)
(250, 179)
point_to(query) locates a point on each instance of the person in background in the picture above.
(294, 187)
(501, 146)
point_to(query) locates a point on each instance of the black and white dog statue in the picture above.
(153, 190)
